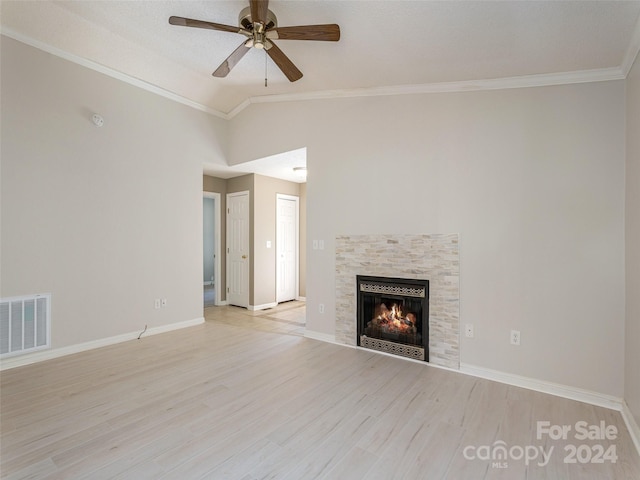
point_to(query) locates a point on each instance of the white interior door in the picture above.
(287, 248)
(238, 249)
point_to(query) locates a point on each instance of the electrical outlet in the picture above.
(315, 244)
(321, 244)
(515, 337)
(157, 303)
(468, 330)
(164, 302)
(321, 308)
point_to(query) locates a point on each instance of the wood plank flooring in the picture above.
(245, 396)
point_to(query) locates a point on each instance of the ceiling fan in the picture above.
(260, 26)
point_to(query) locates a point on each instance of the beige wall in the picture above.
(214, 184)
(105, 219)
(532, 179)
(262, 191)
(632, 243)
(264, 204)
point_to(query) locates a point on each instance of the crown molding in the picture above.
(540, 80)
(136, 82)
(240, 107)
(526, 81)
(632, 50)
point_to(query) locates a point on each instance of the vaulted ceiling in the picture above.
(386, 47)
(384, 44)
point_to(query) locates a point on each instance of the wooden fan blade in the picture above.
(259, 9)
(283, 62)
(190, 22)
(328, 33)
(231, 61)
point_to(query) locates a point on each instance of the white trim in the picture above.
(323, 337)
(136, 82)
(240, 107)
(565, 391)
(264, 306)
(572, 393)
(301, 299)
(540, 80)
(632, 51)
(217, 233)
(28, 359)
(632, 425)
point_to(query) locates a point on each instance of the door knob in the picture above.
(244, 256)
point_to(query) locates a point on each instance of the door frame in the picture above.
(296, 199)
(217, 236)
(246, 193)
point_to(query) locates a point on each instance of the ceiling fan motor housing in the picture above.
(244, 19)
(257, 29)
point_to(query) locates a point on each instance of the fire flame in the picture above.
(394, 320)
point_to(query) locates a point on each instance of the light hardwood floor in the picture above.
(245, 396)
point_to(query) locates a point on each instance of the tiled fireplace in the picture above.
(432, 260)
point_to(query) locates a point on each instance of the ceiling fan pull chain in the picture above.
(265, 68)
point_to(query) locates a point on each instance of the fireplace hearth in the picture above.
(393, 315)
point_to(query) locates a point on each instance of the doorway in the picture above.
(211, 211)
(287, 245)
(238, 249)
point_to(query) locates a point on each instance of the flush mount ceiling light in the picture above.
(97, 120)
(300, 172)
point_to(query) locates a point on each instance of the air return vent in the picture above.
(24, 324)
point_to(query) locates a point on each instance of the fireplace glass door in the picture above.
(393, 315)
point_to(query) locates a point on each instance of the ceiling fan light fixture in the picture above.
(259, 25)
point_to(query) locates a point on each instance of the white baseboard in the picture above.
(572, 393)
(301, 299)
(632, 425)
(264, 306)
(324, 337)
(41, 356)
(565, 391)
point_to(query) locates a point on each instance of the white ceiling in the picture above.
(391, 44)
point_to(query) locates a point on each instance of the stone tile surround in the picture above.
(432, 257)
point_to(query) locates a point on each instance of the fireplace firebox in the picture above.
(393, 315)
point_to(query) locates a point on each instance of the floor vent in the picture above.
(24, 324)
